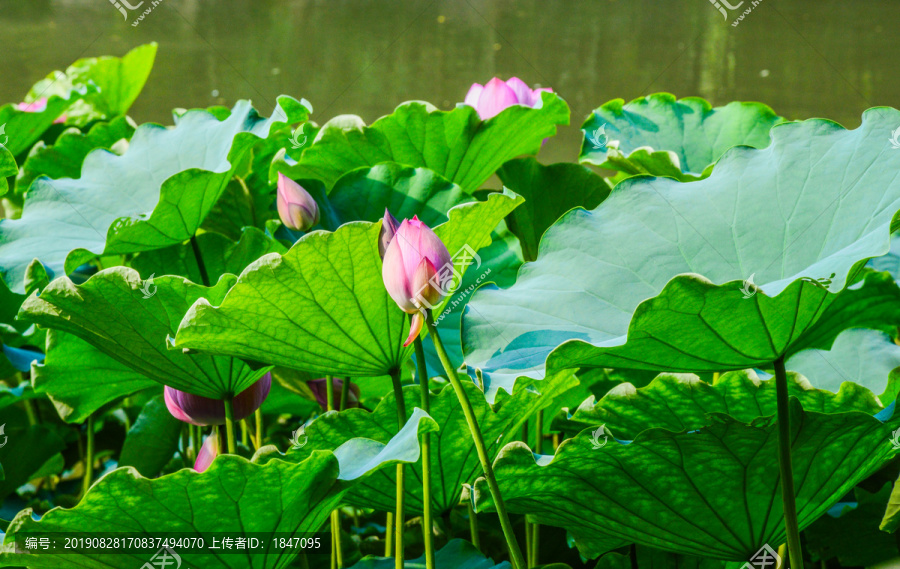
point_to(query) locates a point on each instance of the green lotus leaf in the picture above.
(684, 136)
(891, 261)
(8, 167)
(322, 306)
(152, 440)
(709, 488)
(650, 558)
(867, 357)
(64, 157)
(839, 534)
(549, 192)
(457, 554)
(26, 449)
(23, 128)
(456, 144)
(453, 463)
(233, 495)
(117, 82)
(220, 255)
(80, 379)
(717, 278)
(137, 317)
(174, 176)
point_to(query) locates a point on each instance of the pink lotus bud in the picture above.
(199, 410)
(38, 106)
(497, 95)
(414, 264)
(296, 208)
(320, 390)
(208, 452)
(389, 226)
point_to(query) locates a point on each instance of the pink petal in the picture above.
(495, 97)
(473, 95)
(536, 101)
(395, 277)
(522, 91)
(415, 326)
(389, 227)
(208, 453)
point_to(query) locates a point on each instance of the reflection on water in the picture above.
(804, 58)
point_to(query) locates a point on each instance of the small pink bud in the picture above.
(208, 452)
(296, 208)
(199, 410)
(38, 106)
(489, 100)
(320, 390)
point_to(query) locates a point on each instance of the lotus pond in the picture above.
(258, 337)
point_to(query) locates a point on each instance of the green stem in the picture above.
(345, 393)
(229, 425)
(259, 428)
(245, 426)
(89, 459)
(398, 515)
(515, 553)
(335, 515)
(427, 527)
(329, 393)
(529, 562)
(389, 534)
(534, 552)
(473, 523)
(791, 526)
(29, 410)
(204, 278)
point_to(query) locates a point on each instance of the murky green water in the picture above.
(803, 57)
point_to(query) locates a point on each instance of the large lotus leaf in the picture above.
(662, 136)
(453, 462)
(153, 439)
(739, 394)
(8, 166)
(26, 449)
(220, 255)
(64, 157)
(456, 144)
(457, 554)
(603, 284)
(129, 320)
(650, 558)
(117, 82)
(712, 491)
(549, 192)
(891, 261)
(80, 379)
(867, 357)
(233, 495)
(173, 176)
(322, 306)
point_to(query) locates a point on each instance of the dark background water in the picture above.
(804, 58)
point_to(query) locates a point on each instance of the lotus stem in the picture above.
(473, 522)
(534, 553)
(229, 425)
(791, 526)
(389, 534)
(89, 458)
(29, 410)
(204, 278)
(515, 553)
(398, 515)
(427, 527)
(335, 515)
(245, 426)
(259, 428)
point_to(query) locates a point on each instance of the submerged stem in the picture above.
(515, 553)
(791, 526)
(427, 527)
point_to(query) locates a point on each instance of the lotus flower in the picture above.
(319, 389)
(389, 226)
(296, 208)
(497, 95)
(38, 106)
(208, 452)
(199, 410)
(411, 271)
